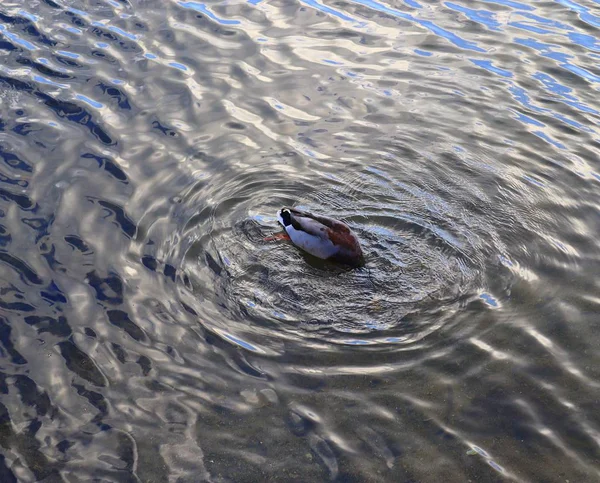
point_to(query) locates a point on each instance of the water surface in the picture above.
(148, 332)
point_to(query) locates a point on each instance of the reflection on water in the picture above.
(148, 332)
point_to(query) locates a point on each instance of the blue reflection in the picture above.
(68, 54)
(572, 123)
(179, 66)
(505, 261)
(554, 86)
(44, 80)
(528, 120)
(423, 53)
(580, 71)
(122, 32)
(201, 7)
(575, 69)
(331, 11)
(264, 218)
(509, 3)
(530, 28)
(532, 181)
(582, 11)
(240, 342)
(481, 451)
(560, 56)
(489, 299)
(564, 92)
(78, 12)
(545, 21)
(30, 16)
(585, 40)
(455, 39)
(534, 44)
(89, 101)
(548, 139)
(413, 4)
(16, 39)
(483, 17)
(521, 96)
(582, 107)
(487, 65)
(393, 340)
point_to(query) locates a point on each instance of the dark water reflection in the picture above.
(148, 332)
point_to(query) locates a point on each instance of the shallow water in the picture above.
(148, 332)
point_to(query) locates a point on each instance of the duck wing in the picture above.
(312, 221)
(303, 221)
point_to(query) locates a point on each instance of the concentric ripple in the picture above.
(422, 256)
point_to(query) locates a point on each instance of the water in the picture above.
(148, 332)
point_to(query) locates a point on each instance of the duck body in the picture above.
(321, 236)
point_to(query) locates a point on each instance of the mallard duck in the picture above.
(321, 236)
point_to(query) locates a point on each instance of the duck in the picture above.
(322, 236)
